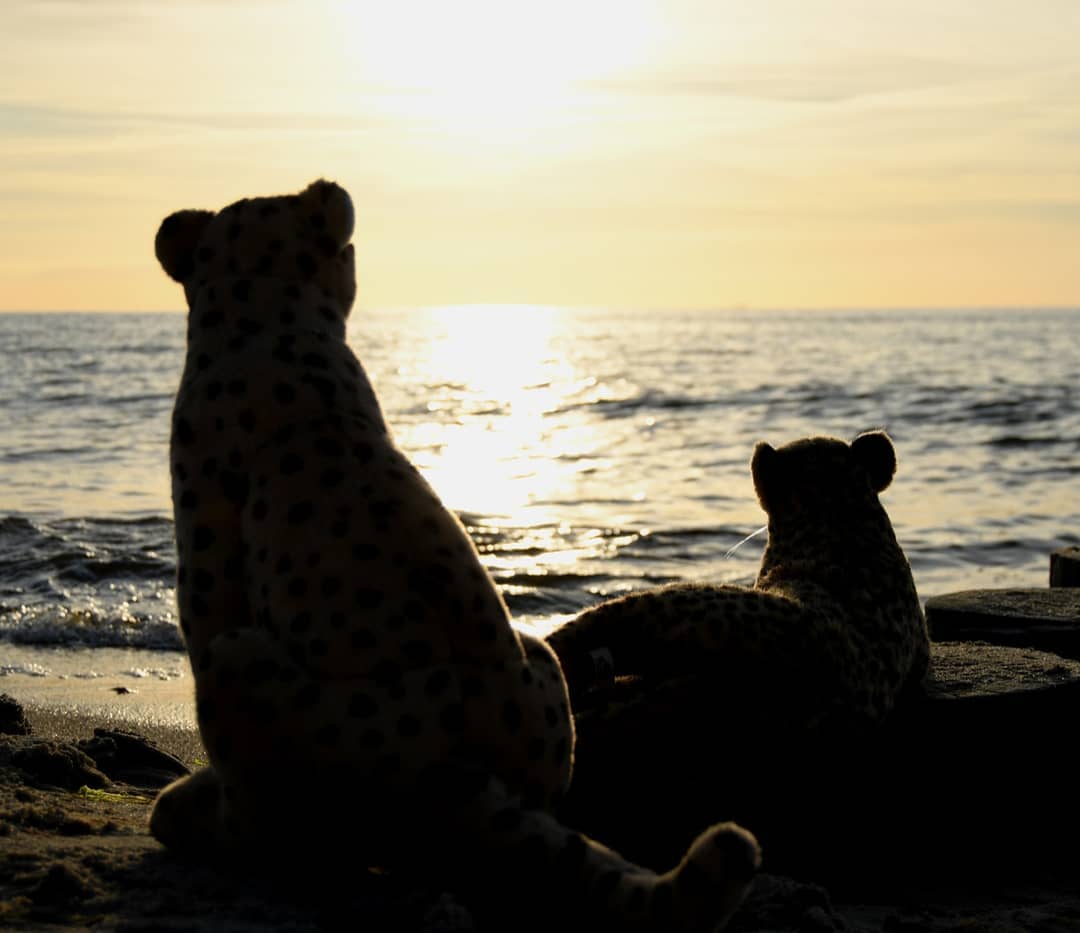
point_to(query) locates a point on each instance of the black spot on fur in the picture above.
(417, 653)
(330, 447)
(362, 706)
(452, 718)
(386, 672)
(372, 738)
(202, 538)
(300, 512)
(362, 640)
(511, 716)
(329, 734)
(290, 463)
(325, 387)
(235, 487)
(307, 696)
(437, 683)
(409, 726)
(284, 393)
(258, 672)
(306, 264)
(241, 289)
(184, 434)
(365, 598)
(188, 500)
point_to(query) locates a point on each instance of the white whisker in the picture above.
(752, 534)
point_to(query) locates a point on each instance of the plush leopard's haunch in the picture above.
(832, 631)
(340, 624)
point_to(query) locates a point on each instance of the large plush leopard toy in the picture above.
(340, 624)
(829, 636)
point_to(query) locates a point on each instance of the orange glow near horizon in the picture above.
(634, 154)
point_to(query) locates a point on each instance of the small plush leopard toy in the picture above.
(342, 630)
(831, 633)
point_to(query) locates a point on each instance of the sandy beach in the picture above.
(75, 853)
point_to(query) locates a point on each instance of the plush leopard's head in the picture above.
(294, 237)
(823, 475)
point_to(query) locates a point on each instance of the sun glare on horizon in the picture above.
(491, 68)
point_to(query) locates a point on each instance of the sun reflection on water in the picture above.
(492, 372)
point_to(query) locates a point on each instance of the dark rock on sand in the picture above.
(1047, 619)
(132, 759)
(1065, 567)
(972, 778)
(12, 719)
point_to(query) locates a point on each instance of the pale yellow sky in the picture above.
(628, 153)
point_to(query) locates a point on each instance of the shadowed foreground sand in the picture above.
(75, 853)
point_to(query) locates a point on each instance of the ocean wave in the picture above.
(61, 624)
(647, 400)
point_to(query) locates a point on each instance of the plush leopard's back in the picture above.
(338, 617)
(832, 631)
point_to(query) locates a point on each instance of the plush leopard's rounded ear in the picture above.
(176, 240)
(765, 468)
(331, 210)
(874, 450)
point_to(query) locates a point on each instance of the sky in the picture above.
(616, 153)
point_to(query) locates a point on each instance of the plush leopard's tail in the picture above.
(527, 850)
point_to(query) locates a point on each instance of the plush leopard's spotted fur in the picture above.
(340, 624)
(832, 631)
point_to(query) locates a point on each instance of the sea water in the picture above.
(588, 453)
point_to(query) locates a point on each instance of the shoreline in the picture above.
(69, 724)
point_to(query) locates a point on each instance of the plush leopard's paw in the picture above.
(187, 814)
(713, 877)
